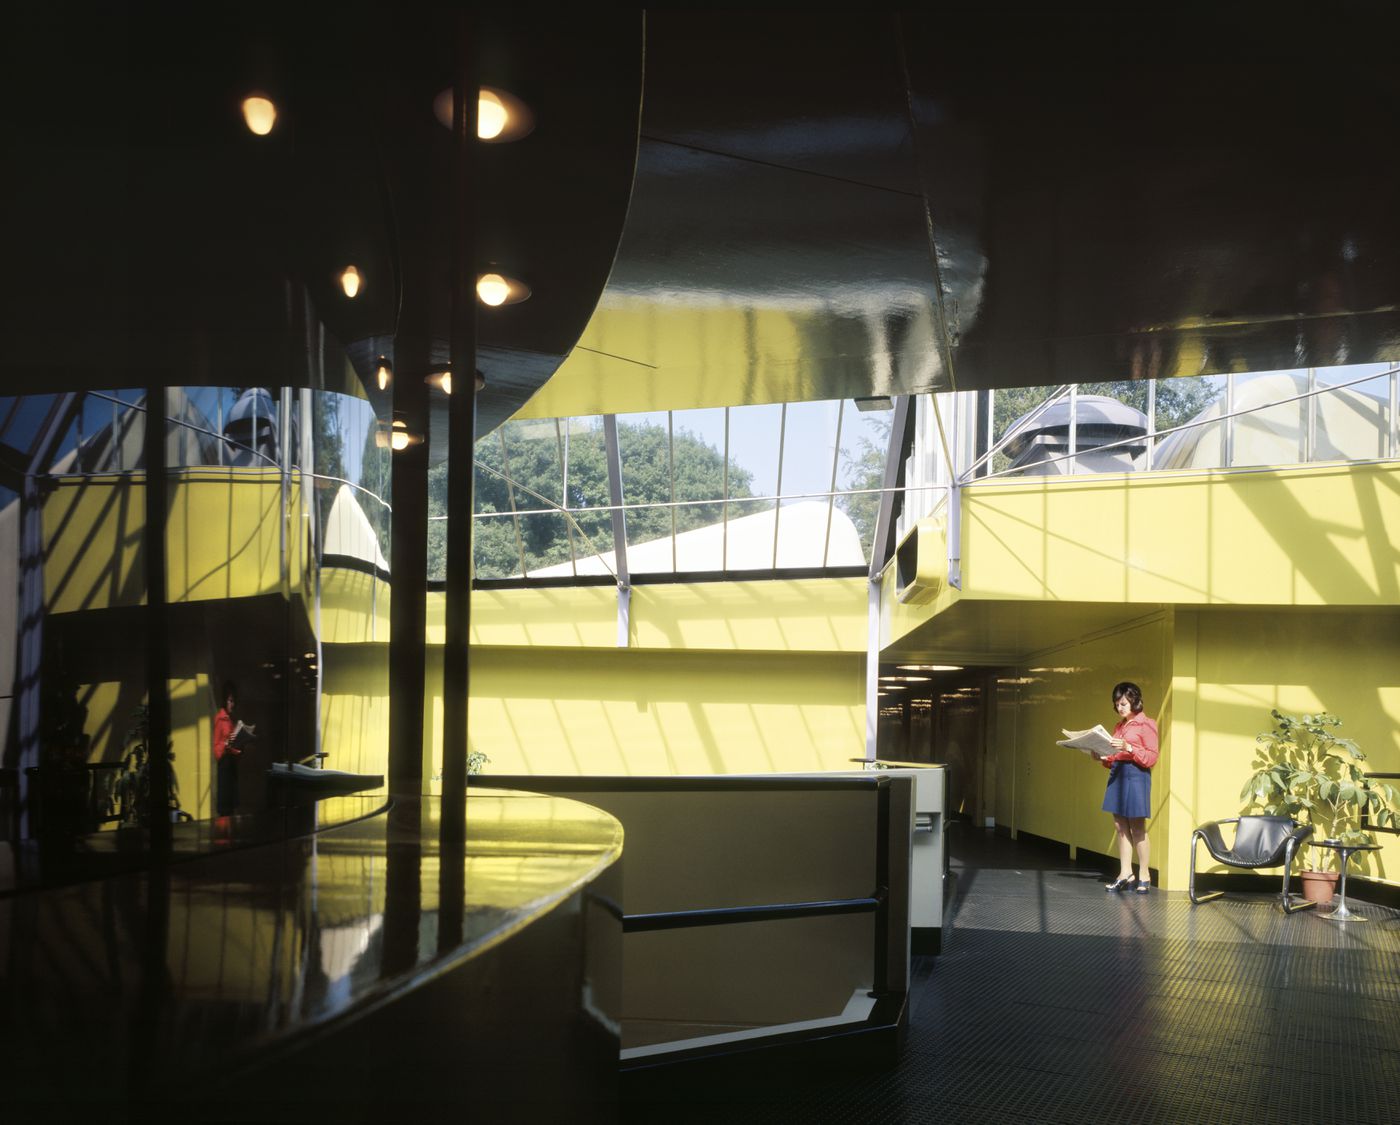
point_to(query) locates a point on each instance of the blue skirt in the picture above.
(1129, 790)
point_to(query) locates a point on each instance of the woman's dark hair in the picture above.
(231, 689)
(1132, 691)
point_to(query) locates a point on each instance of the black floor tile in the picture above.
(1054, 1001)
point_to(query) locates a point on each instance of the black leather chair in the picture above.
(1260, 841)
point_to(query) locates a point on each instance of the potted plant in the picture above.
(1304, 770)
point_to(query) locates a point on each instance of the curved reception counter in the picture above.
(354, 972)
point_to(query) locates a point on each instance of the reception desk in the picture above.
(758, 912)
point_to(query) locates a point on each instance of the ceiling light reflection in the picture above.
(259, 114)
(496, 289)
(500, 115)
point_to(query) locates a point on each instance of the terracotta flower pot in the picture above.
(1319, 886)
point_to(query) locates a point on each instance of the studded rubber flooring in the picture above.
(1053, 1001)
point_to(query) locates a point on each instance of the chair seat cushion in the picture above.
(1260, 841)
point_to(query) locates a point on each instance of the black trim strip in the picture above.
(352, 562)
(726, 915)
(663, 578)
(719, 783)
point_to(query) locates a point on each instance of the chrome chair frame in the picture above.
(1282, 853)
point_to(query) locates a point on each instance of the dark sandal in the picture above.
(1144, 886)
(1121, 885)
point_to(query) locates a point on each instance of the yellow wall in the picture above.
(1058, 793)
(1326, 535)
(625, 711)
(798, 615)
(718, 678)
(1210, 677)
(1231, 668)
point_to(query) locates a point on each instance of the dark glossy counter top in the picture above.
(168, 974)
(34, 865)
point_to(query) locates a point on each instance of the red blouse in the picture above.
(223, 731)
(1140, 733)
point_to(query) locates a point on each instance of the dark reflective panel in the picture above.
(267, 941)
(267, 564)
(73, 626)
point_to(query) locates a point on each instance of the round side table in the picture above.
(1342, 914)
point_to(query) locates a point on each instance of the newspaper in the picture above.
(1096, 742)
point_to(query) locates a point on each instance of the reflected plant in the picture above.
(134, 784)
(1304, 770)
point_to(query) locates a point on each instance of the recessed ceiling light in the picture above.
(904, 679)
(259, 114)
(383, 373)
(931, 667)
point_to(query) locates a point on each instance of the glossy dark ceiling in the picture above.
(842, 204)
(152, 237)
(825, 204)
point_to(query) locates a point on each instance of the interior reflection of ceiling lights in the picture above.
(931, 667)
(350, 281)
(259, 114)
(383, 373)
(904, 679)
(397, 437)
(895, 687)
(500, 115)
(496, 289)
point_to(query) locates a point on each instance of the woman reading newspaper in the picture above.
(1129, 794)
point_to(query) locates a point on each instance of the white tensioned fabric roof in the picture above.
(1350, 425)
(802, 532)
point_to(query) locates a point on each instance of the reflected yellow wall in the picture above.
(714, 357)
(355, 707)
(92, 544)
(223, 538)
(354, 607)
(111, 711)
(192, 738)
